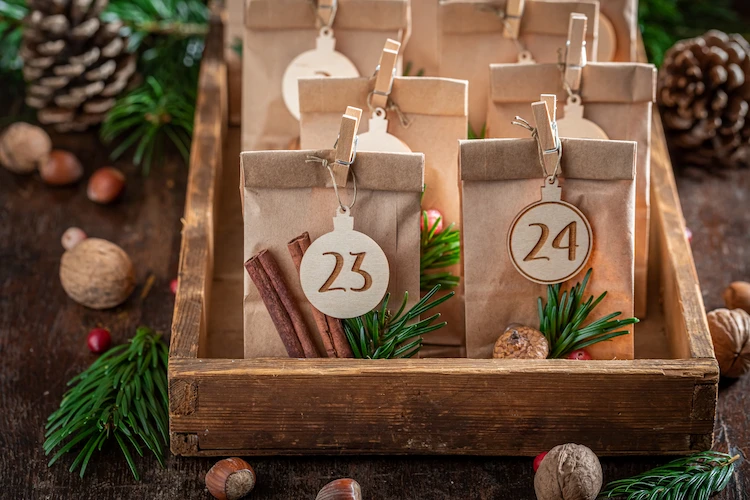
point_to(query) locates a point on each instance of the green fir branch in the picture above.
(382, 335)
(562, 319)
(438, 251)
(693, 478)
(471, 134)
(122, 395)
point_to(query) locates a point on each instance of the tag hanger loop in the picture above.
(342, 208)
(325, 12)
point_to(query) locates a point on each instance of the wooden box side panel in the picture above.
(477, 407)
(196, 255)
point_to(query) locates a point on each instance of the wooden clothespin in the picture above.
(575, 51)
(345, 145)
(548, 139)
(326, 11)
(513, 15)
(386, 72)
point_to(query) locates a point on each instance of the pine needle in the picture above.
(381, 335)
(438, 251)
(693, 478)
(562, 319)
(123, 394)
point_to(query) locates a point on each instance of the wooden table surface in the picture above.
(43, 344)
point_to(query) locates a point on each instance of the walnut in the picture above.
(568, 472)
(24, 148)
(97, 274)
(737, 296)
(521, 342)
(730, 331)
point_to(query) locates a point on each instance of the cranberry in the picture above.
(538, 460)
(689, 235)
(580, 355)
(99, 340)
(173, 286)
(432, 216)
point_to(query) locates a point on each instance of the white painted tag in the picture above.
(321, 62)
(550, 241)
(344, 273)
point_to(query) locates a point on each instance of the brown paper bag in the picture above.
(284, 196)
(277, 31)
(436, 112)
(472, 38)
(617, 97)
(502, 176)
(421, 54)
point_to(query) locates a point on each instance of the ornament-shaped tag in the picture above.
(344, 273)
(575, 125)
(526, 57)
(377, 137)
(321, 62)
(550, 241)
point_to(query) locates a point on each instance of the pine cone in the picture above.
(704, 95)
(75, 64)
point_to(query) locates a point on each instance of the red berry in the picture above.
(689, 235)
(432, 216)
(538, 460)
(173, 286)
(99, 340)
(580, 355)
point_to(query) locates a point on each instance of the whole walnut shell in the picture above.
(568, 472)
(97, 274)
(730, 331)
(737, 296)
(521, 342)
(24, 148)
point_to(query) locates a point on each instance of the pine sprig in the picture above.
(382, 335)
(693, 478)
(438, 251)
(122, 395)
(562, 318)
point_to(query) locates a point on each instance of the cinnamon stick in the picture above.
(331, 330)
(286, 317)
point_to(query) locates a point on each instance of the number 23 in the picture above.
(356, 268)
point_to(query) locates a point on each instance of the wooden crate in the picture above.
(663, 402)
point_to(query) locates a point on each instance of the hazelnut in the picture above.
(730, 332)
(568, 472)
(521, 342)
(97, 274)
(230, 479)
(737, 296)
(340, 489)
(24, 148)
(71, 237)
(61, 168)
(105, 185)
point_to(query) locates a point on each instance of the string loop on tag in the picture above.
(327, 164)
(334, 6)
(391, 106)
(521, 122)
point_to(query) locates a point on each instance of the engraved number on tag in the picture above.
(570, 229)
(356, 268)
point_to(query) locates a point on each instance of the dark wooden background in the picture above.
(43, 344)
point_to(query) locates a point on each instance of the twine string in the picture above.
(326, 164)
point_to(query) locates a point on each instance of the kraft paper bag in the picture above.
(435, 111)
(284, 196)
(422, 52)
(617, 97)
(502, 176)
(472, 38)
(277, 31)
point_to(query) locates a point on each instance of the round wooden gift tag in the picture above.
(321, 62)
(550, 241)
(575, 125)
(344, 273)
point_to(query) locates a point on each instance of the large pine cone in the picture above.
(704, 95)
(75, 64)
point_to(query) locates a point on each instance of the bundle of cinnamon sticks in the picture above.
(265, 273)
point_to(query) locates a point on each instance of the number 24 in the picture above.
(571, 229)
(356, 268)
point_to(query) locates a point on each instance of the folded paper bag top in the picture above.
(503, 176)
(284, 195)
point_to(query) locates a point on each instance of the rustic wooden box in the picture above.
(663, 402)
